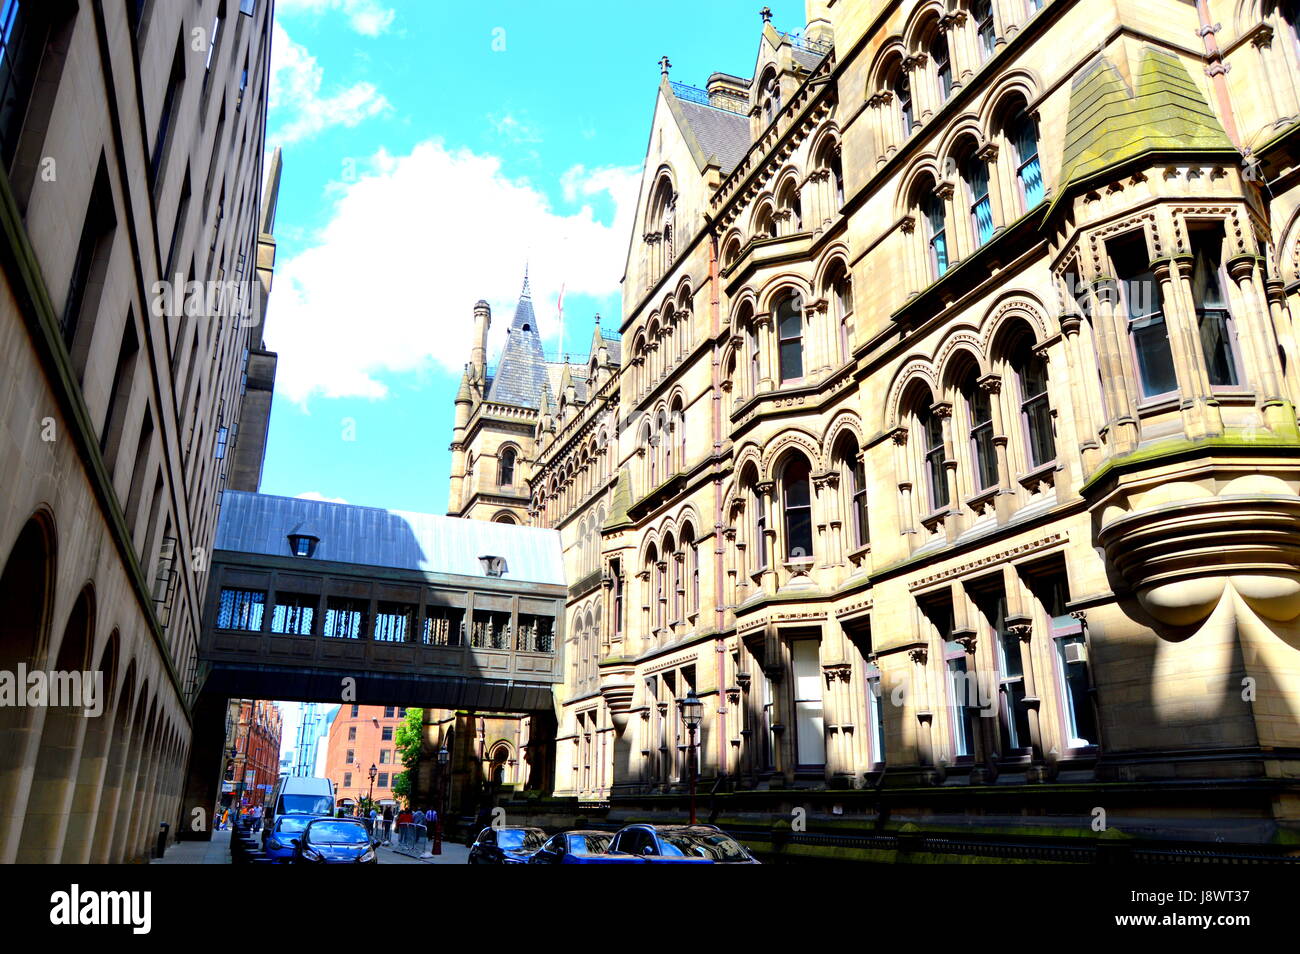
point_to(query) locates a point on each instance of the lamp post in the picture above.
(370, 799)
(443, 758)
(692, 713)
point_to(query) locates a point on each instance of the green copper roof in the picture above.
(618, 518)
(1110, 124)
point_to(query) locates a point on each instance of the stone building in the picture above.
(952, 455)
(131, 145)
(359, 737)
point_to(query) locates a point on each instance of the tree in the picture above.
(409, 737)
(402, 786)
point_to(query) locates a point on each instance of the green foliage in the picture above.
(402, 786)
(408, 737)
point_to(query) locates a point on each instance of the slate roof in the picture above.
(522, 368)
(372, 536)
(1109, 123)
(716, 133)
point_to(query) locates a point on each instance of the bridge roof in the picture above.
(373, 536)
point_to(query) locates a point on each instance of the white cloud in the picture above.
(514, 129)
(317, 495)
(366, 16)
(412, 244)
(297, 108)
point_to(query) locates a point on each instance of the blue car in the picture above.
(335, 841)
(681, 843)
(279, 840)
(580, 848)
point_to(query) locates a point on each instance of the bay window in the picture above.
(1145, 318)
(789, 326)
(1214, 321)
(1022, 132)
(796, 493)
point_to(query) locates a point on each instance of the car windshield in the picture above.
(337, 833)
(306, 804)
(517, 838)
(718, 846)
(292, 823)
(589, 844)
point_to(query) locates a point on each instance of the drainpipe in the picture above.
(1216, 70)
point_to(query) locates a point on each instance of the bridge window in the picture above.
(536, 634)
(241, 609)
(394, 622)
(491, 630)
(294, 613)
(344, 618)
(444, 627)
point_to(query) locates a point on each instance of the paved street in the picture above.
(217, 852)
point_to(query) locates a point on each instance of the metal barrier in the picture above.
(412, 839)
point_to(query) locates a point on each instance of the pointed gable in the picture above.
(521, 371)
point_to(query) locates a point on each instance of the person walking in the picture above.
(257, 817)
(430, 823)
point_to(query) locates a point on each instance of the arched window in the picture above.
(753, 346)
(975, 176)
(942, 64)
(936, 233)
(979, 418)
(841, 296)
(506, 467)
(1031, 382)
(790, 203)
(672, 558)
(931, 427)
(765, 222)
(903, 93)
(789, 327)
(771, 98)
(1022, 133)
(985, 30)
(853, 477)
(1141, 302)
(758, 502)
(796, 500)
(1214, 321)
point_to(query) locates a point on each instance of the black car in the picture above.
(335, 841)
(579, 848)
(505, 846)
(681, 843)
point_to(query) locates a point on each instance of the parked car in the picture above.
(281, 838)
(295, 794)
(681, 843)
(505, 846)
(580, 848)
(335, 841)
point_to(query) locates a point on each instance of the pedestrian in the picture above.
(257, 817)
(430, 823)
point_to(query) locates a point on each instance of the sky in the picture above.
(431, 151)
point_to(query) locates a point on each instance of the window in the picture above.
(344, 618)
(755, 374)
(1013, 713)
(91, 262)
(385, 756)
(390, 711)
(167, 115)
(382, 782)
(903, 92)
(936, 473)
(979, 411)
(352, 733)
(347, 779)
(1213, 319)
(942, 65)
(985, 31)
(443, 626)
(963, 686)
(293, 614)
(351, 757)
(25, 27)
(975, 173)
(853, 476)
(1022, 131)
(796, 489)
(1146, 320)
(769, 723)
(810, 734)
(393, 624)
(875, 715)
(1071, 660)
(842, 295)
(760, 529)
(616, 571)
(356, 710)
(507, 467)
(789, 323)
(1031, 379)
(932, 210)
(241, 609)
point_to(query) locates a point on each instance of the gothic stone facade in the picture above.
(953, 444)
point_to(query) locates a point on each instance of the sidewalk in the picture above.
(453, 853)
(214, 852)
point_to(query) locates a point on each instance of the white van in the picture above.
(297, 795)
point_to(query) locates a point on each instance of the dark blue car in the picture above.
(280, 840)
(335, 841)
(580, 848)
(505, 846)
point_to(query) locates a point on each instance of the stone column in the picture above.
(943, 410)
(903, 470)
(768, 543)
(1201, 416)
(763, 330)
(1122, 426)
(911, 243)
(998, 185)
(921, 701)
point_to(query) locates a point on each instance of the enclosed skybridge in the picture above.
(316, 601)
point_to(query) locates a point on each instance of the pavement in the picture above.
(217, 852)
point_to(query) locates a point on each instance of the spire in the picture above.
(526, 293)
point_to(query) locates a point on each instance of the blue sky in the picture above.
(430, 151)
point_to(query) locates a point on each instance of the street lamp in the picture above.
(692, 714)
(443, 758)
